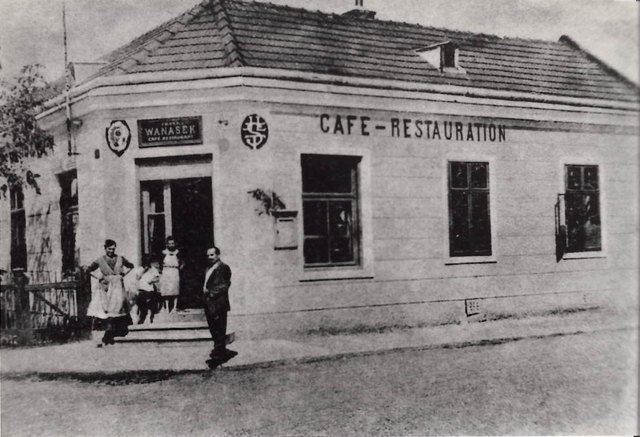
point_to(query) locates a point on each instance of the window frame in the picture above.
(493, 170)
(562, 183)
(69, 219)
(330, 198)
(365, 269)
(18, 211)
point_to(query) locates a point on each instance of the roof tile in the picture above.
(227, 33)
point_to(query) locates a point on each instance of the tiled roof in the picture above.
(232, 33)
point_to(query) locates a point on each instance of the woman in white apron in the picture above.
(170, 279)
(109, 303)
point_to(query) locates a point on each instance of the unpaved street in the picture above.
(575, 384)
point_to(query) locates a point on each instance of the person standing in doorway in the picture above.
(148, 299)
(170, 279)
(109, 304)
(217, 281)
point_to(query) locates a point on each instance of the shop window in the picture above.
(582, 208)
(69, 220)
(469, 213)
(18, 228)
(330, 210)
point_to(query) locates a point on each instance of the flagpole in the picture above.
(67, 78)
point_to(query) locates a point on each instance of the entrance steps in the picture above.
(177, 326)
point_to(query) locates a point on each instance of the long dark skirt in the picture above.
(112, 327)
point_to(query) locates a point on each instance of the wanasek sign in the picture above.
(179, 131)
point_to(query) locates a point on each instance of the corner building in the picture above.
(354, 172)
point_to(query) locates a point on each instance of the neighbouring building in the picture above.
(354, 172)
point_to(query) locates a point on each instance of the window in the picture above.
(69, 220)
(448, 54)
(156, 199)
(469, 218)
(330, 210)
(582, 203)
(18, 226)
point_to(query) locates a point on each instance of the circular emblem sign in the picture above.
(118, 136)
(254, 131)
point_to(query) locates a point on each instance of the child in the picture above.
(148, 299)
(170, 279)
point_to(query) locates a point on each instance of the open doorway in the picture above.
(181, 208)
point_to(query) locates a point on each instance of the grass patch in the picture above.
(325, 331)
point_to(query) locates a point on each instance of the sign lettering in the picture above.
(170, 131)
(426, 129)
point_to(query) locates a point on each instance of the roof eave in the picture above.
(83, 90)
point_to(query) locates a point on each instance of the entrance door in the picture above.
(181, 208)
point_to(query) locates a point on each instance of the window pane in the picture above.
(448, 56)
(323, 174)
(479, 177)
(592, 222)
(458, 223)
(316, 250)
(583, 222)
(458, 175)
(157, 236)
(18, 240)
(156, 196)
(17, 198)
(591, 178)
(315, 218)
(341, 231)
(573, 177)
(480, 226)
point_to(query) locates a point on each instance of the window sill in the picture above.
(335, 274)
(584, 255)
(470, 260)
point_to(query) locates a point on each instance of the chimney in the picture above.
(359, 12)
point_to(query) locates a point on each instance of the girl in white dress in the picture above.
(170, 279)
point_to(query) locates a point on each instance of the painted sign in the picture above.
(118, 136)
(178, 131)
(348, 124)
(254, 131)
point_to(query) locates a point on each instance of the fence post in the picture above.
(23, 307)
(83, 297)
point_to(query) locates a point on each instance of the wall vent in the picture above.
(472, 307)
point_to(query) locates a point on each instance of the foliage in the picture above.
(269, 201)
(20, 137)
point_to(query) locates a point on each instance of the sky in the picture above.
(31, 30)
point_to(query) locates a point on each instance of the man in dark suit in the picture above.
(217, 281)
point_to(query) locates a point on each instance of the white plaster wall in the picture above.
(410, 215)
(407, 206)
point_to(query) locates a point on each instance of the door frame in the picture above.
(168, 168)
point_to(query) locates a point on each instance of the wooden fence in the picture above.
(43, 313)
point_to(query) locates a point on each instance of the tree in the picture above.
(20, 137)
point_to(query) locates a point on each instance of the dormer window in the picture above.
(443, 56)
(448, 56)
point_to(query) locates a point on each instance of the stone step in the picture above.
(190, 315)
(170, 332)
(165, 335)
(169, 326)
